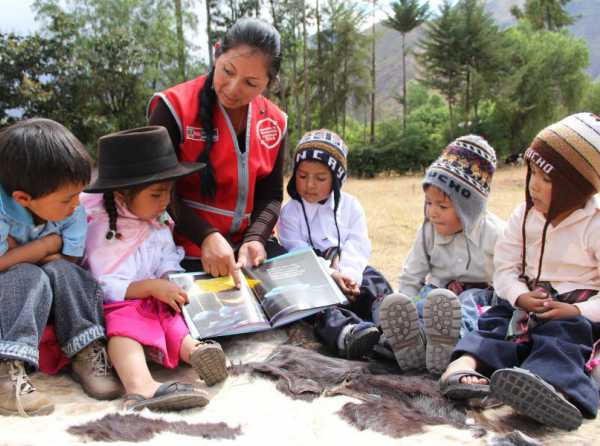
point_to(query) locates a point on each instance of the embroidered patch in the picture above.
(198, 134)
(268, 132)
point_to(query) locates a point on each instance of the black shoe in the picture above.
(360, 340)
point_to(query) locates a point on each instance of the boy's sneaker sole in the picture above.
(400, 325)
(530, 395)
(360, 344)
(442, 317)
(208, 360)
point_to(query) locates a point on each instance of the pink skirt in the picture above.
(150, 322)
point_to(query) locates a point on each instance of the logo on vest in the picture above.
(198, 134)
(268, 132)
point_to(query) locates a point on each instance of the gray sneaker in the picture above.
(442, 317)
(400, 325)
(208, 360)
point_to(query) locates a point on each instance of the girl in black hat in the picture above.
(130, 250)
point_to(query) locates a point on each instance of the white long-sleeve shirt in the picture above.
(448, 256)
(156, 256)
(354, 235)
(571, 255)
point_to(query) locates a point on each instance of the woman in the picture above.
(223, 120)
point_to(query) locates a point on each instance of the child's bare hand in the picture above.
(12, 243)
(51, 258)
(533, 301)
(170, 293)
(559, 310)
(52, 243)
(348, 286)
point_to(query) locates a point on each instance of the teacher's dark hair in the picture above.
(258, 35)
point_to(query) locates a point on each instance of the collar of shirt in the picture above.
(592, 206)
(10, 208)
(313, 208)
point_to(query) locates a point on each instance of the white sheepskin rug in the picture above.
(251, 411)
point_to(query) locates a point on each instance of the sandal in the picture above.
(208, 360)
(453, 389)
(400, 325)
(442, 317)
(530, 395)
(169, 396)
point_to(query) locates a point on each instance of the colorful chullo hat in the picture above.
(326, 147)
(464, 171)
(569, 153)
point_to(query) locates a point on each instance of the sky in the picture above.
(18, 17)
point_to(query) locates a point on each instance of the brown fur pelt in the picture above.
(392, 404)
(135, 428)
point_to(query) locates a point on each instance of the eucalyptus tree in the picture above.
(407, 15)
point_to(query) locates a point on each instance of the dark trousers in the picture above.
(329, 323)
(557, 352)
(28, 295)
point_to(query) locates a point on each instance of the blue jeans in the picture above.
(469, 300)
(28, 295)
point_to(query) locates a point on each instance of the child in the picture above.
(130, 250)
(451, 255)
(537, 340)
(332, 223)
(42, 230)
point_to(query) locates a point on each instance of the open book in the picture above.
(281, 290)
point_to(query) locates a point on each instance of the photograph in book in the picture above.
(281, 290)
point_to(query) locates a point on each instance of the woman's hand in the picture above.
(218, 258)
(251, 254)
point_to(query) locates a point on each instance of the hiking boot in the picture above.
(92, 369)
(208, 360)
(18, 396)
(360, 339)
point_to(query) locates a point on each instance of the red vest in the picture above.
(236, 173)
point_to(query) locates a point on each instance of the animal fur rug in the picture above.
(283, 390)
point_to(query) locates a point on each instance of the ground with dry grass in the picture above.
(394, 208)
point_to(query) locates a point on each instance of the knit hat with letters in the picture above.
(324, 146)
(464, 172)
(569, 153)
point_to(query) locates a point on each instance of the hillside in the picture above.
(389, 63)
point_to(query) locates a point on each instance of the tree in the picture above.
(180, 40)
(442, 71)
(407, 15)
(545, 14)
(478, 51)
(543, 80)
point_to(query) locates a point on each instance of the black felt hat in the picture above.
(136, 157)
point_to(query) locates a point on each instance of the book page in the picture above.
(293, 286)
(217, 308)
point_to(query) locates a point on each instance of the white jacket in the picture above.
(354, 236)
